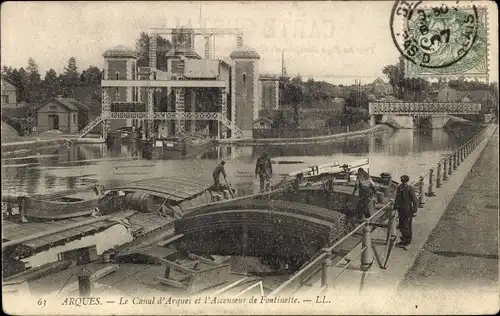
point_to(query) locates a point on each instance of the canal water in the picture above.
(410, 152)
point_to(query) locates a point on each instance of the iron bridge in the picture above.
(423, 108)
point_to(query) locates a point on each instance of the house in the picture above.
(482, 96)
(8, 94)
(262, 123)
(64, 114)
(380, 88)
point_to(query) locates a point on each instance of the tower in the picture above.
(245, 94)
(119, 64)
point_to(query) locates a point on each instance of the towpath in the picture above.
(461, 255)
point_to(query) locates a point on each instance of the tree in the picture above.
(163, 46)
(51, 84)
(356, 99)
(91, 76)
(70, 77)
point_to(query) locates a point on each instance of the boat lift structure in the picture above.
(153, 79)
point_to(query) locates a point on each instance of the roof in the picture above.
(245, 52)
(263, 118)
(69, 103)
(7, 85)
(379, 81)
(476, 95)
(120, 51)
(59, 232)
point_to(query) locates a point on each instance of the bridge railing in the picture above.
(423, 108)
(386, 217)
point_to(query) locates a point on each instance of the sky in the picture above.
(335, 41)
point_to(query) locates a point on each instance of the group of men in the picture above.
(406, 201)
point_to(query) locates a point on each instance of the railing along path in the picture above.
(385, 217)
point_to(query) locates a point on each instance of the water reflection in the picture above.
(403, 151)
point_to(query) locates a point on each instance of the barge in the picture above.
(174, 147)
(213, 245)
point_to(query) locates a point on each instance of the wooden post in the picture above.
(22, 208)
(421, 198)
(457, 157)
(445, 171)
(9, 209)
(84, 285)
(330, 185)
(450, 168)
(431, 183)
(367, 254)
(455, 161)
(438, 176)
(327, 269)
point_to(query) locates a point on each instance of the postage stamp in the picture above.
(441, 40)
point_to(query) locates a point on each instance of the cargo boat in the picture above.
(224, 247)
(55, 206)
(121, 215)
(173, 147)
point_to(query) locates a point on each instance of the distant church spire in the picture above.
(283, 65)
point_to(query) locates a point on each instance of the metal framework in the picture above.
(416, 108)
(179, 86)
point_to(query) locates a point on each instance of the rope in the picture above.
(65, 283)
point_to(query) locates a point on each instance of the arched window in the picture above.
(117, 75)
(244, 77)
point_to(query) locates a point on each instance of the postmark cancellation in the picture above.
(442, 39)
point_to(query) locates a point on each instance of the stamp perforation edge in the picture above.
(427, 5)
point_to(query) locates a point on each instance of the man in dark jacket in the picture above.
(406, 203)
(216, 174)
(264, 170)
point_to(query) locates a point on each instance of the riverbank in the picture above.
(30, 144)
(377, 129)
(381, 287)
(11, 149)
(461, 255)
(434, 300)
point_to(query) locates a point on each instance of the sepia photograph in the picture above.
(250, 157)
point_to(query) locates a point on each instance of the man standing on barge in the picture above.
(216, 174)
(264, 170)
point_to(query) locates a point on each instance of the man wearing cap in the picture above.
(216, 174)
(264, 170)
(406, 203)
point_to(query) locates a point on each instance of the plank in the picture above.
(171, 282)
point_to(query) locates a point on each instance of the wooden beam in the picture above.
(170, 240)
(176, 266)
(172, 282)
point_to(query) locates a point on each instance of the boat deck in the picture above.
(39, 236)
(137, 279)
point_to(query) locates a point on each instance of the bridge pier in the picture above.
(438, 121)
(372, 120)
(404, 122)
